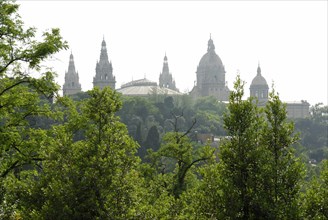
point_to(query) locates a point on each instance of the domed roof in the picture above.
(145, 87)
(259, 80)
(210, 59)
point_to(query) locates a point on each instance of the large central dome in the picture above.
(211, 76)
(210, 62)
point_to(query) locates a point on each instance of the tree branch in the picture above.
(10, 168)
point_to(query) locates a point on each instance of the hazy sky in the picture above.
(288, 38)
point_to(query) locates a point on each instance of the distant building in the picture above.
(145, 87)
(298, 109)
(260, 89)
(165, 77)
(104, 70)
(210, 81)
(71, 85)
(211, 76)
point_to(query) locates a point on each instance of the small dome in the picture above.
(259, 79)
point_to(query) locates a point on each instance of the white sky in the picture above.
(288, 38)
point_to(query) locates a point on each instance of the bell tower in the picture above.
(165, 78)
(72, 84)
(104, 70)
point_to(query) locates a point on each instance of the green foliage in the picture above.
(314, 133)
(241, 157)
(23, 97)
(18, 44)
(316, 196)
(95, 178)
(76, 160)
(282, 172)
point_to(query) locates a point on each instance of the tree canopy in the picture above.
(98, 155)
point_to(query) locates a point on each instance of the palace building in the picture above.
(210, 81)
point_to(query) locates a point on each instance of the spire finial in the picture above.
(210, 44)
(165, 57)
(258, 69)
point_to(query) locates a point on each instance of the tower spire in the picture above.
(165, 78)
(72, 84)
(104, 70)
(210, 44)
(258, 69)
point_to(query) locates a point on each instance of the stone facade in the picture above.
(104, 70)
(298, 109)
(72, 84)
(211, 76)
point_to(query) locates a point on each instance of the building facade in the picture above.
(211, 76)
(71, 85)
(104, 70)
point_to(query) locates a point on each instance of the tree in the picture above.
(23, 97)
(260, 175)
(240, 157)
(94, 178)
(283, 172)
(18, 45)
(314, 133)
(177, 147)
(315, 203)
(19, 92)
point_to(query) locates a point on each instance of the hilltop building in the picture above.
(165, 77)
(104, 70)
(210, 81)
(260, 89)
(211, 76)
(72, 84)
